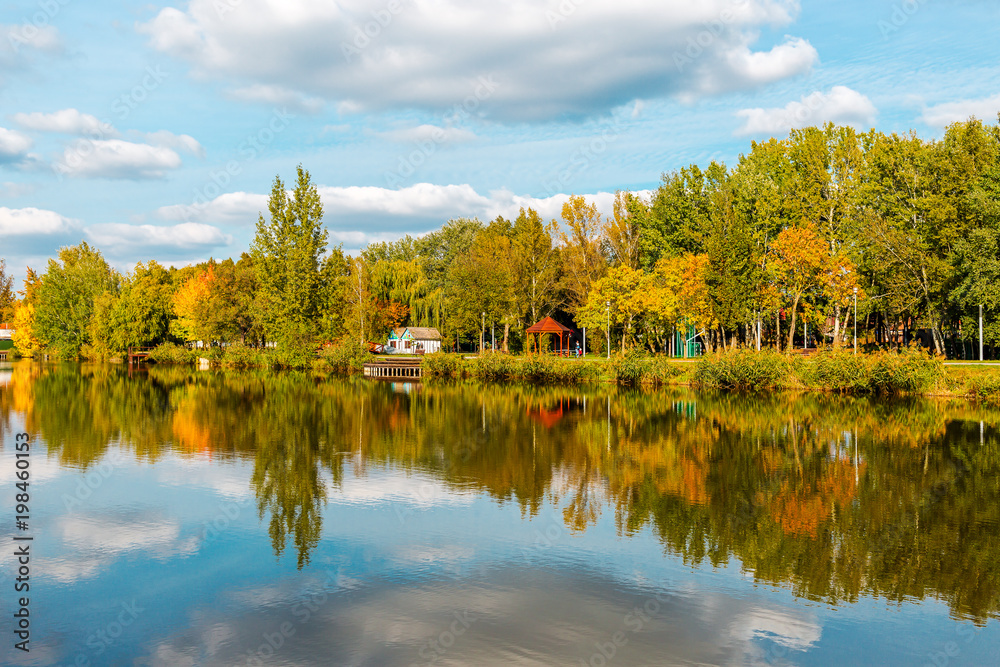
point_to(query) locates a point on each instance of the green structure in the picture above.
(686, 345)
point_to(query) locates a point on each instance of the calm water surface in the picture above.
(186, 518)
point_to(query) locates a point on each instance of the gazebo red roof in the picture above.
(548, 325)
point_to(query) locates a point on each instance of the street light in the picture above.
(855, 320)
(607, 307)
(980, 332)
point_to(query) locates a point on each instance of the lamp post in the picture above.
(855, 320)
(607, 308)
(980, 332)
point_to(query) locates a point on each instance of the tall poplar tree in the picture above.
(287, 252)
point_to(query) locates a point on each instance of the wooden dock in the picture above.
(137, 354)
(392, 369)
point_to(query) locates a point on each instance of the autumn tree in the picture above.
(6, 293)
(581, 242)
(801, 264)
(66, 298)
(536, 266)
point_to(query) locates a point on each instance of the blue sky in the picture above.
(154, 130)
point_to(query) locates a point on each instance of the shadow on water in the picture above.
(832, 497)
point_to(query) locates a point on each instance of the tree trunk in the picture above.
(506, 335)
(836, 327)
(791, 330)
(777, 330)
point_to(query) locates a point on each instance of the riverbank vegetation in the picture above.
(784, 246)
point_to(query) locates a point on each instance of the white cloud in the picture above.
(182, 142)
(841, 105)
(14, 146)
(356, 216)
(512, 61)
(19, 43)
(66, 121)
(942, 115)
(123, 239)
(115, 158)
(233, 208)
(277, 96)
(33, 222)
(430, 133)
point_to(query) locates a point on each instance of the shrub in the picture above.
(839, 370)
(493, 366)
(743, 369)
(911, 370)
(985, 388)
(238, 355)
(294, 355)
(441, 364)
(630, 369)
(346, 357)
(543, 368)
(170, 353)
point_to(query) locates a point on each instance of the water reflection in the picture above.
(834, 498)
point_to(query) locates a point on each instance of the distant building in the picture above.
(414, 340)
(6, 330)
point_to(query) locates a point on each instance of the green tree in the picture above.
(6, 293)
(287, 251)
(66, 298)
(536, 266)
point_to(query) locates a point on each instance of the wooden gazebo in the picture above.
(548, 325)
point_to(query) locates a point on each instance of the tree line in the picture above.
(796, 237)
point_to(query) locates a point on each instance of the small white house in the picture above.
(6, 331)
(414, 340)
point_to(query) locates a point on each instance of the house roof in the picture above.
(548, 325)
(424, 333)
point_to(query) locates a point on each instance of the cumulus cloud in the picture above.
(14, 146)
(520, 60)
(182, 142)
(33, 231)
(356, 216)
(841, 105)
(277, 96)
(66, 121)
(232, 208)
(121, 239)
(942, 115)
(115, 158)
(33, 222)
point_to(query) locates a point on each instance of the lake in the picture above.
(252, 518)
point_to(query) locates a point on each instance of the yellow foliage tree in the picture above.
(24, 329)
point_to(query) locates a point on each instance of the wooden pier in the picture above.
(392, 369)
(137, 354)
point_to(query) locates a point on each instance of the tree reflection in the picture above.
(833, 497)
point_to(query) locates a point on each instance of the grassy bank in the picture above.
(341, 359)
(910, 372)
